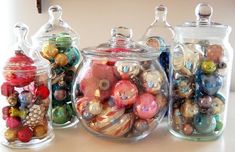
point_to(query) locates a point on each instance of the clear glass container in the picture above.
(121, 90)
(56, 41)
(200, 79)
(26, 88)
(159, 36)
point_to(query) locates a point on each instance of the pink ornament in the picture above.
(125, 93)
(13, 122)
(146, 106)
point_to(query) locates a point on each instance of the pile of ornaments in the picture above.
(27, 95)
(121, 98)
(63, 56)
(198, 104)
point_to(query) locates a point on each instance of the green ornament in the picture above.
(63, 41)
(60, 115)
(219, 126)
(208, 67)
(73, 56)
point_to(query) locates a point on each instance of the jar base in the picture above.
(32, 144)
(195, 138)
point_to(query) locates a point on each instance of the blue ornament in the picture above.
(164, 60)
(26, 97)
(204, 124)
(210, 84)
(73, 56)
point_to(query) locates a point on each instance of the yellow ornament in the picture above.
(49, 51)
(61, 59)
(11, 134)
(40, 131)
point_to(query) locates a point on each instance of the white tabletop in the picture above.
(78, 140)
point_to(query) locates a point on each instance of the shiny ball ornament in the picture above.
(25, 134)
(63, 41)
(60, 115)
(161, 100)
(13, 122)
(187, 129)
(205, 102)
(73, 56)
(215, 53)
(211, 84)
(218, 104)
(95, 107)
(204, 124)
(19, 70)
(39, 131)
(61, 59)
(208, 66)
(10, 135)
(12, 99)
(125, 93)
(112, 122)
(183, 87)
(60, 94)
(219, 126)
(177, 119)
(42, 91)
(156, 42)
(49, 51)
(152, 81)
(7, 89)
(127, 69)
(87, 115)
(189, 109)
(141, 125)
(146, 106)
(26, 97)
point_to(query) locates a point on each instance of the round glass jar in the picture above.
(121, 90)
(26, 89)
(56, 42)
(200, 79)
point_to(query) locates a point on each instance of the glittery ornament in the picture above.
(208, 67)
(127, 69)
(10, 135)
(7, 89)
(26, 97)
(39, 131)
(25, 134)
(13, 122)
(183, 87)
(12, 99)
(35, 116)
(177, 119)
(189, 109)
(215, 53)
(95, 107)
(49, 51)
(60, 115)
(14, 112)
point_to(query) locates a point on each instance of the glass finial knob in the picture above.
(203, 13)
(21, 30)
(55, 12)
(122, 32)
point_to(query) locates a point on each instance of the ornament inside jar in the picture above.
(26, 88)
(121, 90)
(200, 78)
(159, 36)
(56, 42)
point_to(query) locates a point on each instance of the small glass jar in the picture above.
(121, 90)
(56, 42)
(26, 89)
(159, 36)
(200, 79)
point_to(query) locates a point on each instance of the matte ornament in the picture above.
(63, 41)
(39, 131)
(13, 122)
(49, 51)
(10, 135)
(187, 129)
(15, 112)
(215, 53)
(7, 89)
(42, 91)
(208, 67)
(25, 134)
(211, 83)
(152, 81)
(125, 93)
(146, 106)
(204, 124)
(127, 69)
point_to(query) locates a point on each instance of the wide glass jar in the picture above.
(200, 79)
(159, 36)
(56, 42)
(121, 90)
(26, 88)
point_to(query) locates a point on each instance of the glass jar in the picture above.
(121, 90)
(56, 42)
(200, 79)
(159, 36)
(26, 88)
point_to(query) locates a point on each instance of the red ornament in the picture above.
(7, 89)
(25, 134)
(13, 122)
(42, 91)
(125, 93)
(5, 112)
(19, 70)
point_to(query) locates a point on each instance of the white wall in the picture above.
(93, 19)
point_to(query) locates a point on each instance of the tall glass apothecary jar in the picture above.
(26, 88)
(121, 90)
(56, 42)
(200, 79)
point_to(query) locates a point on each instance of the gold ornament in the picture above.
(61, 59)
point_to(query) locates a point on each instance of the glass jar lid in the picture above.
(120, 45)
(55, 27)
(203, 27)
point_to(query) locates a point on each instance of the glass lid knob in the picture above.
(55, 12)
(121, 32)
(160, 12)
(203, 13)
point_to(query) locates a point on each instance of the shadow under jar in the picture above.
(120, 91)
(56, 41)
(200, 78)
